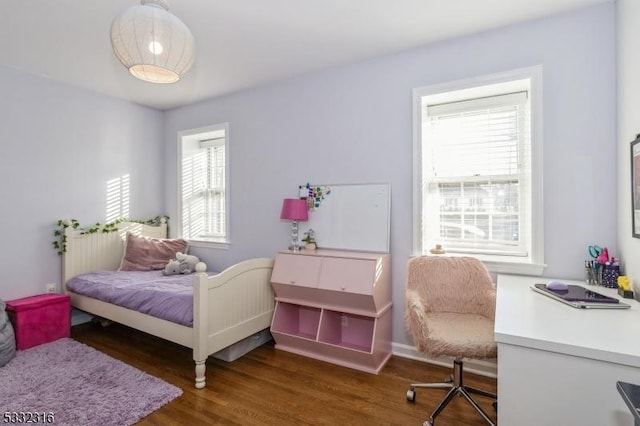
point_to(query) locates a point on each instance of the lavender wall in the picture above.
(628, 80)
(60, 146)
(353, 125)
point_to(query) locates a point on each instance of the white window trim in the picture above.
(496, 264)
(199, 133)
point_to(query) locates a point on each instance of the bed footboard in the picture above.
(230, 306)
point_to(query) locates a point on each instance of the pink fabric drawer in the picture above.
(40, 319)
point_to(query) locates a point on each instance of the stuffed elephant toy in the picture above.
(172, 268)
(187, 262)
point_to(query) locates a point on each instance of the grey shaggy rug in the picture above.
(80, 386)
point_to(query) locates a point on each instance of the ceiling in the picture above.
(242, 43)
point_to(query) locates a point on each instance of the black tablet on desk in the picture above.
(581, 297)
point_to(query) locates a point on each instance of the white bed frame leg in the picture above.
(201, 367)
(200, 323)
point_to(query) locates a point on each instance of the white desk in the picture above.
(558, 365)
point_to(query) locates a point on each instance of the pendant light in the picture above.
(151, 43)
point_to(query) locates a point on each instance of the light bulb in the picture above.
(155, 48)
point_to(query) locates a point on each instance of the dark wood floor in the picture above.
(273, 387)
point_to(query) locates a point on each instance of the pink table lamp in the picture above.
(294, 209)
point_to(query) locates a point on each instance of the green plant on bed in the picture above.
(60, 241)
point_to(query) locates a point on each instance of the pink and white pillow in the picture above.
(147, 254)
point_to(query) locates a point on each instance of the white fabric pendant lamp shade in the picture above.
(152, 43)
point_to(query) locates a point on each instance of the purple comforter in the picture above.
(149, 292)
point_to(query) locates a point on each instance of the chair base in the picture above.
(456, 387)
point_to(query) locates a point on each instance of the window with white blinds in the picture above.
(474, 170)
(203, 186)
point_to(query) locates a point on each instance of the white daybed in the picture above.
(227, 307)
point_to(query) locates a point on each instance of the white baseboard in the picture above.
(487, 368)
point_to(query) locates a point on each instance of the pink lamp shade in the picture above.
(294, 209)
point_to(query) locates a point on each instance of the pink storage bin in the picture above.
(40, 319)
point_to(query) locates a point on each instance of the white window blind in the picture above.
(476, 175)
(204, 209)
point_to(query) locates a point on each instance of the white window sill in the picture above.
(219, 245)
(511, 267)
(506, 265)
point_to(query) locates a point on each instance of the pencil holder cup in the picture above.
(593, 276)
(610, 275)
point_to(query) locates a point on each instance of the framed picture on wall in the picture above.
(635, 186)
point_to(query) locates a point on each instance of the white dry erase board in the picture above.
(352, 217)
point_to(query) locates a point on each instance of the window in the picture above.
(475, 190)
(204, 184)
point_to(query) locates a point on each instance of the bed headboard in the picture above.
(101, 251)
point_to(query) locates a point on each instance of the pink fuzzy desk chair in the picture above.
(450, 312)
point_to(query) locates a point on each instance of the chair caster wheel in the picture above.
(427, 423)
(411, 395)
